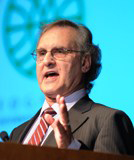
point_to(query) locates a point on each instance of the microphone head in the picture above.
(4, 136)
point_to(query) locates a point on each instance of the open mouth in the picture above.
(51, 74)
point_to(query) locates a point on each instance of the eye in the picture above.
(60, 51)
(56, 50)
(41, 52)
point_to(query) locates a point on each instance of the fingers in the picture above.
(62, 138)
(55, 124)
(63, 113)
(62, 130)
(64, 117)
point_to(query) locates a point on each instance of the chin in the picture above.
(53, 92)
(50, 93)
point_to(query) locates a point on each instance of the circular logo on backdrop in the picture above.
(21, 26)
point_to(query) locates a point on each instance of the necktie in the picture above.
(41, 129)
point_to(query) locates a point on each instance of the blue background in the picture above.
(112, 25)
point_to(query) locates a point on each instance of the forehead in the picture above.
(58, 36)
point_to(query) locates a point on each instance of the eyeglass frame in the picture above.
(65, 50)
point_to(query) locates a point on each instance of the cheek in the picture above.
(71, 71)
(64, 71)
(76, 71)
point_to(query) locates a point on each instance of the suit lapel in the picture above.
(77, 114)
(77, 118)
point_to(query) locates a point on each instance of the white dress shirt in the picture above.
(70, 101)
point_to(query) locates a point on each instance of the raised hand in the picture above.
(61, 127)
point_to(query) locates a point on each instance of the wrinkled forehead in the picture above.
(56, 35)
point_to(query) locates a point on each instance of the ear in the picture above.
(86, 63)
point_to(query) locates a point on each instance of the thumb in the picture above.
(49, 119)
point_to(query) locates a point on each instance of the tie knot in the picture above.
(49, 111)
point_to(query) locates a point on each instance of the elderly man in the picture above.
(67, 62)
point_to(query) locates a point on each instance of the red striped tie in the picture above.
(41, 129)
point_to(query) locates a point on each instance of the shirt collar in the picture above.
(70, 100)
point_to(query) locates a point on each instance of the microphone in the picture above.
(4, 136)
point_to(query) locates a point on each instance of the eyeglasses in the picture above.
(57, 53)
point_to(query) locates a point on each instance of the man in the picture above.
(67, 62)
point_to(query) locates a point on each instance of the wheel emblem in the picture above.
(21, 27)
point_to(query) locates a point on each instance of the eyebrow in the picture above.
(40, 49)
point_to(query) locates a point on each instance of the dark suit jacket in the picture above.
(97, 127)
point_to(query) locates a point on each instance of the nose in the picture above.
(49, 61)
